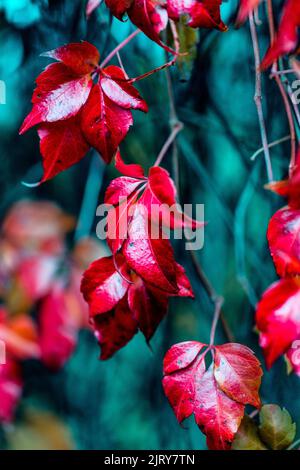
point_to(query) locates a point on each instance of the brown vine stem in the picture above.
(258, 98)
(282, 89)
(216, 300)
(119, 47)
(176, 129)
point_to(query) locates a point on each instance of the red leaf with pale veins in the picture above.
(104, 123)
(121, 92)
(202, 14)
(11, 385)
(120, 189)
(57, 96)
(217, 415)
(152, 259)
(103, 286)
(148, 306)
(287, 37)
(80, 57)
(180, 382)
(62, 145)
(238, 373)
(278, 318)
(191, 389)
(150, 17)
(246, 7)
(114, 329)
(284, 241)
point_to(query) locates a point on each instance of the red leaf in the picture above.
(202, 14)
(150, 17)
(152, 259)
(104, 123)
(287, 37)
(183, 283)
(80, 57)
(238, 373)
(246, 7)
(102, 285)
(217, 415)
(11, 385)
(289, 188)
(148, 306)
(216, 397)
(58, 328)
(114, 329)
(62, 145)
(284, 241)
(278, 318)
(132, 170)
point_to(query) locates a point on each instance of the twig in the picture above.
(176, 129)
(272, 144)
(119, 47)
(216, 300)
(258, 98)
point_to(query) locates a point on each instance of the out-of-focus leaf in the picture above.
(247, 437)
(276, 428)
(41, 430)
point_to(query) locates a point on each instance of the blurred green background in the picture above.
(119, 404)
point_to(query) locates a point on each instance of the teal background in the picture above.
(119, 404)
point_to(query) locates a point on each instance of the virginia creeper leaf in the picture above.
(276, 427)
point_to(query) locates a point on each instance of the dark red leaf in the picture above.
(114, 329)
(80, 57)
(118, 7)
(62, 145)
(148, 306)
(104, 123)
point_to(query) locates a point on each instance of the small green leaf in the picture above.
(247, 437)
(276, 428)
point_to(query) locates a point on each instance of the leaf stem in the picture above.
(215, 299)
(119, 47)
(176, 129)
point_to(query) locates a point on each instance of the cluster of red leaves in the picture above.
(287, 38)
(216, 396)
(78, 105)
(151, 16)
(41, 306)
(278, 314)
(130, 290)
